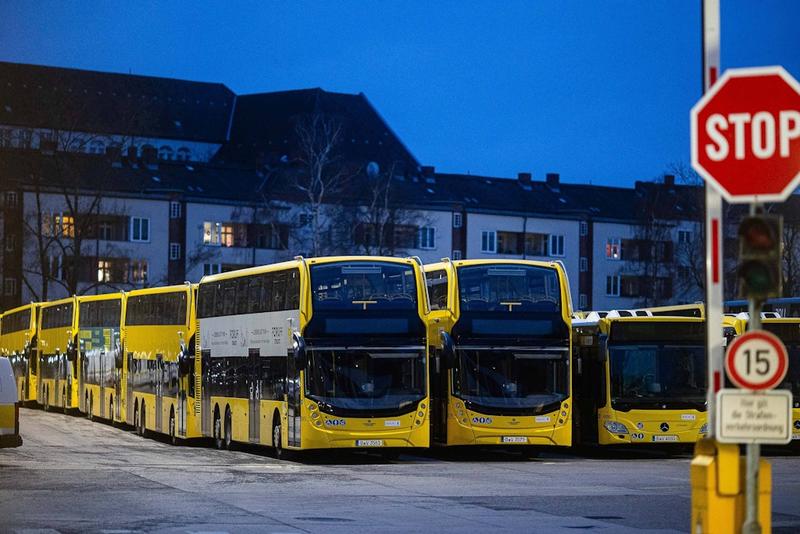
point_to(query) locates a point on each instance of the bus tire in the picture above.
(173, 439)
(228, 444)
(64, 399)
(111, 409)
(217, 429)
(143, 420)
(136, 416)
(277, 441)
(45, 401)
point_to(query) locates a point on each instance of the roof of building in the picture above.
(110, 103)
(264, 128)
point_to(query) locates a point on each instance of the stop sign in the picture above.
(746, 135)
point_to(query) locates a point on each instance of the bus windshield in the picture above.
(509, 288)
(363, 285)
(507, 380)
(360, 381)
(653, 374)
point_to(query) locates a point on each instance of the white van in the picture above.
(9, 409)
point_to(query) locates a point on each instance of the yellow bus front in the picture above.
(788, 330)
(359, 378)
(503, 336)
(655, 381)
(58, 384)
(18, 343)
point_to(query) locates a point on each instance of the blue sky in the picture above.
(598, 91)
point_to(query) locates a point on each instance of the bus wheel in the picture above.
(136, 416)
(143, 421)
(277, 444)
(45, 403)
(173, 439)
(111, 409)
(217, 430)
(228, 430)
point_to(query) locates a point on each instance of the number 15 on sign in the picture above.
(757, 360)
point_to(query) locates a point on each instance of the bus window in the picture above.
(437, 289)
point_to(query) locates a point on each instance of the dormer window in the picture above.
(165, 153)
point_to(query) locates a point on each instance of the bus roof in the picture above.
(462, 263)
(164, 289)
(104, 296)
(58, 302)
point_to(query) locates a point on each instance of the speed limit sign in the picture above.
(756, 360)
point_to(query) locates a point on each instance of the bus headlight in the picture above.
(615, 427)
(704, 428)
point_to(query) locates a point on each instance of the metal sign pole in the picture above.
(751, 524)
(713, 222)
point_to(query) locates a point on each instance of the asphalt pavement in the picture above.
(73, 475)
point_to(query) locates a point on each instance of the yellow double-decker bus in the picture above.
(18, 343)
(99, 356)
(58, 379)
(640, 380)
(316, 354)
(159, 388)
(501, 370)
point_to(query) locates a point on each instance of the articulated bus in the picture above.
(100, 358)
(18, 343)
(316, 354)
(640, 380)
(58, 379)
(159, 392)
(500, 370)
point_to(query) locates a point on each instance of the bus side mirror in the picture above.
(299, 350)
(448, 350)
(185, 363)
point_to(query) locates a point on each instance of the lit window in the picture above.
(211, 231)
(103, 271)
(226, 235)
(138, 272)
(456, 254)
(612, 286)
(63, 226)
(140, 229)
(427, 237)
(458, 220)
(165, 153)
(584, 264)
(614, 248)
(175, 210)
(489, 242)
(174, 251)
(556, 245)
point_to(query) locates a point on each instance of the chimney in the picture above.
(552, 180)
(524, 178)
(669, 180)
(149, 157)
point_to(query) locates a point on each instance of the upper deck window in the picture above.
(511, 288)
(363, 285)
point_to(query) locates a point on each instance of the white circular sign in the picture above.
(756, 360)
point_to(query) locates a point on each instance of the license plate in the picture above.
(369, 443)
(514, 439)
(665, 438)
(795, 436)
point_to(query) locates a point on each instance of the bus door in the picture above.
(117, 377)
(159, 389)
(293, 402)
(254, 355)
(129, 391)
(102, 382)
(439, 393)
(205, 391)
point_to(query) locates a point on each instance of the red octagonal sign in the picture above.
(746, 135)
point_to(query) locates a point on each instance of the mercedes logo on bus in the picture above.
(664, 427)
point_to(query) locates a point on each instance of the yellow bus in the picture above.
(640, 380)
(316, 354)
(18, 343)
(100, 359)
(158, 371)
(58, 327)
(500, 374)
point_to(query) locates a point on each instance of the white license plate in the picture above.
(665, 438)
(514, 439)
(369, 443)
